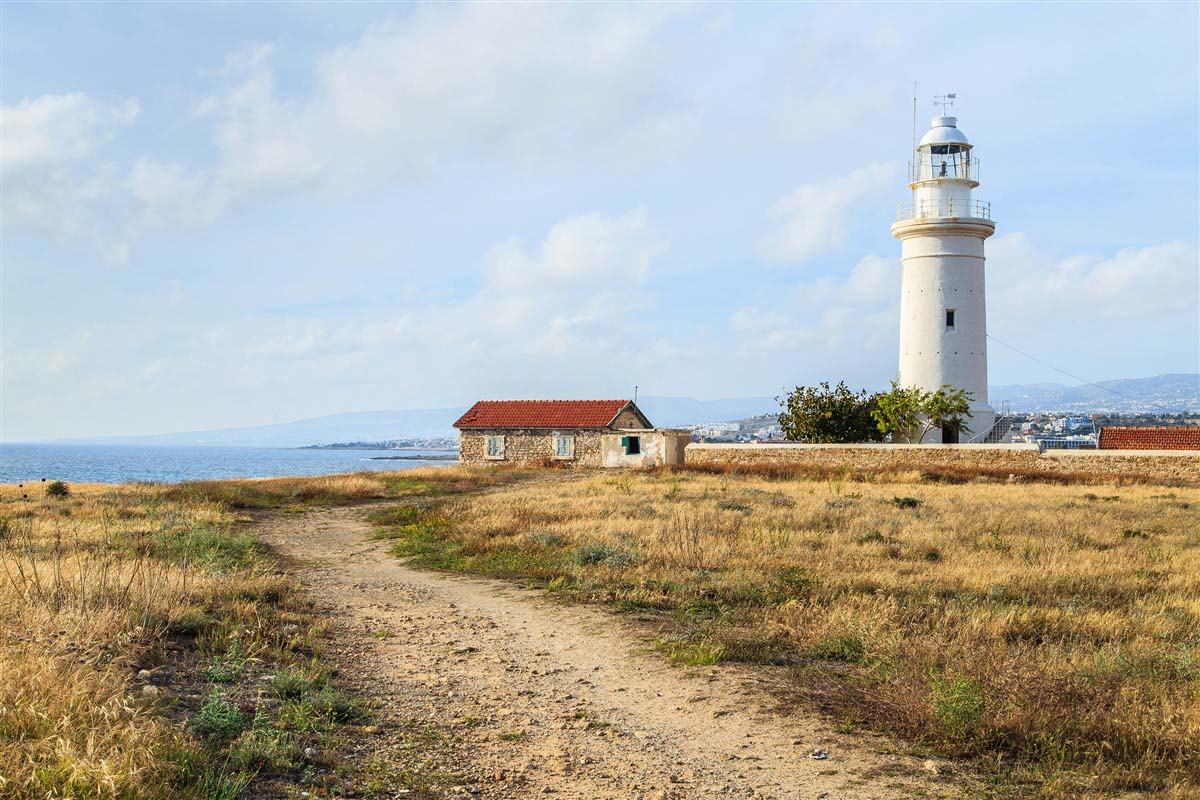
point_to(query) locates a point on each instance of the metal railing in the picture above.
(934, 209)
(995, 434)
(1067, 443)
(937, 167)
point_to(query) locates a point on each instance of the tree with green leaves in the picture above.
(823, 415)
(907, 413)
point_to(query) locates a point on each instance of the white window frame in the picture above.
(487, 447)
(559, 439)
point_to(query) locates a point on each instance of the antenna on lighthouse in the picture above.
(914, 119)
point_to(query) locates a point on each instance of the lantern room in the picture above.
(942, 174)
(945, 154)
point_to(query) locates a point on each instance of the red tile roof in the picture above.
(1129, 437)
(542, 413)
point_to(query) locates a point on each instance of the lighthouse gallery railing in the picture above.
(926, 209)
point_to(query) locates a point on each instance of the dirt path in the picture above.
(541, 698)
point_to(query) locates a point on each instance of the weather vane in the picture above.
(945, 101)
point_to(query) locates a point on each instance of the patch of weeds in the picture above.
(291, 683)
(792, 582)
(609, 555)
(733, 505)
(397, 515)
(1134, 533)
(703, 608)
(338, 707)
(190, 621)
(472, 721)
(930, 553)
(547, 539)
(847, 647)
(210, 546)
(382, 634)
(691, 652)
(410, 486)
(870, 537)
(220, 784)
(218, 717)
(782, 501)
(957, 704)
(907, 502)
(839, 503)
(227, 668)
(262, 747)
(515, 735)
(58, 489)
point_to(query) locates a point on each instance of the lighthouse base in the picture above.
(972, 431)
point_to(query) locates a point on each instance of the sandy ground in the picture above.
(536, 698)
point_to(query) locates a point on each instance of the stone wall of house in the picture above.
(627, 419)
(529, 447)
(1170, 466)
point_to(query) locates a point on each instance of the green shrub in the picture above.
(399, 515)
(292, 683)
(209, 545)
(907, 502)
(604, 554)
(847, 647)
(218, 717)
(228, 667)
(957, 703)
(261, 747)
(547, 539)
(58, 489)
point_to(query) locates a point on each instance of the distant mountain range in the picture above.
(1162, 393)
(369, 426)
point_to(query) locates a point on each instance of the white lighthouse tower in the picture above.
(943, 320)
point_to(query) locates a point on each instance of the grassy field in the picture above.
(1050, 632)
(150, 647)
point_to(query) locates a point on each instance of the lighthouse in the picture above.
(943, 317)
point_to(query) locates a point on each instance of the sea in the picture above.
(22, 463)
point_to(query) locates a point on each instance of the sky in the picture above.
(220, 214)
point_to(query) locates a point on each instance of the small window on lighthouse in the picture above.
(949, 319)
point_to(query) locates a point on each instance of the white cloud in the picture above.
(1137, 282)
(56, 178)
(468, 81)
(56, 128)
(579, 293)
(578, 288)
(820, 216)
(829, 319)
(447, 84)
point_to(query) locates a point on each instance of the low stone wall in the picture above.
(1169, 466)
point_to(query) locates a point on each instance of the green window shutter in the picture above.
(625, 442)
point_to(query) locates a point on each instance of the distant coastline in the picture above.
(443, 446)
(415, 458)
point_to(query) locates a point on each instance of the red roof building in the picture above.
(580, 433)
(1130, 437)
(596, 414)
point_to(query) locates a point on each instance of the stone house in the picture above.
(585, 433)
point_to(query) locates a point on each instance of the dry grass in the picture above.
(1052, 631)
(139, 625)
(257, 493)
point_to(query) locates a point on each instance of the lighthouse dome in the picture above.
(944, 130)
